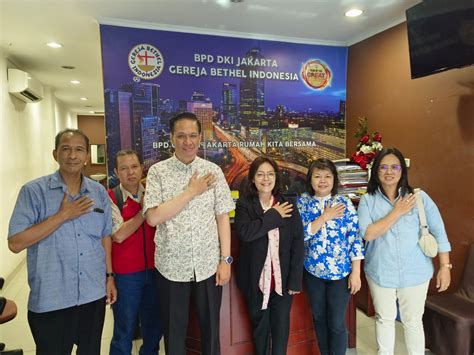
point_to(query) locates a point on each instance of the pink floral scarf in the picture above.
(272, 263)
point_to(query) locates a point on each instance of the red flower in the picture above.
(364, 139)
(369, 157)
(377, 137)
(360, 159)
(363, 164)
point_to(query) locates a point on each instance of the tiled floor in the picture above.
(16, 334)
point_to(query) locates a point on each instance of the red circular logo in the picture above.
(316, 74)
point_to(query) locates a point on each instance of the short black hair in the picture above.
(73, 131)
(322, 164)
(184, 116)
(374, 181)
(250, 190)
(125, 152)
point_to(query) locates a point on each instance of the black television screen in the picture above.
(440, 36)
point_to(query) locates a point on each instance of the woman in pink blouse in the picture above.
(270, 266)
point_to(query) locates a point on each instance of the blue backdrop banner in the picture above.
(253, 97)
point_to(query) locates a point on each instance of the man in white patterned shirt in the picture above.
(188, 200)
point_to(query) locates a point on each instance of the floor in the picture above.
(16, 334)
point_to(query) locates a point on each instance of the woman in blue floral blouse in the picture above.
(333, 253)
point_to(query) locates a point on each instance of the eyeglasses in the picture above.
(270, 176)
(394, 167)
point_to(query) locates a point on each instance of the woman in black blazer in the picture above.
(270, 266)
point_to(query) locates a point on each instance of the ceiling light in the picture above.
(236, 1)
(353, 13)
(54, 45)
(75, 82)
(84, 98)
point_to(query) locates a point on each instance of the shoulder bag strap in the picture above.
(421, 212)
(118, 197)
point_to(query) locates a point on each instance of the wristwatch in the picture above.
(447, 266)
(227, 259)
(110, 274)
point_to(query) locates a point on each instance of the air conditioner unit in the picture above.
(24, 86)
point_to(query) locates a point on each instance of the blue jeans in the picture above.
(329, 299)
(137, 299)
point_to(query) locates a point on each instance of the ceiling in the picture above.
(27, 25)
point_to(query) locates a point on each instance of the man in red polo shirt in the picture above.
(133, 261)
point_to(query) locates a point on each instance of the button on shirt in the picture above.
(67, 268)
(187, 245)
(331, 250)
(395, 260)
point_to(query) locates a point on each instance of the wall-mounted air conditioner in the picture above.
(24, 86)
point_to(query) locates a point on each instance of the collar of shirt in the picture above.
(399, 195)
(57, 181)
(126, 194)
(321, 202)
(323, 199)
(184, 167)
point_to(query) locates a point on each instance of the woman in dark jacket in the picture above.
(270, 266)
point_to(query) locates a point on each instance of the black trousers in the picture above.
(271, 326)
(174, 311)
(56, 332)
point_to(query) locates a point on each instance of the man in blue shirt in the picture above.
(64, 222)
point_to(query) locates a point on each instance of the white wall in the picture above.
(27, 134)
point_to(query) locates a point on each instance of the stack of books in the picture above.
(352, 179)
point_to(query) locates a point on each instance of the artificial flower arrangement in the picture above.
(367, 146)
